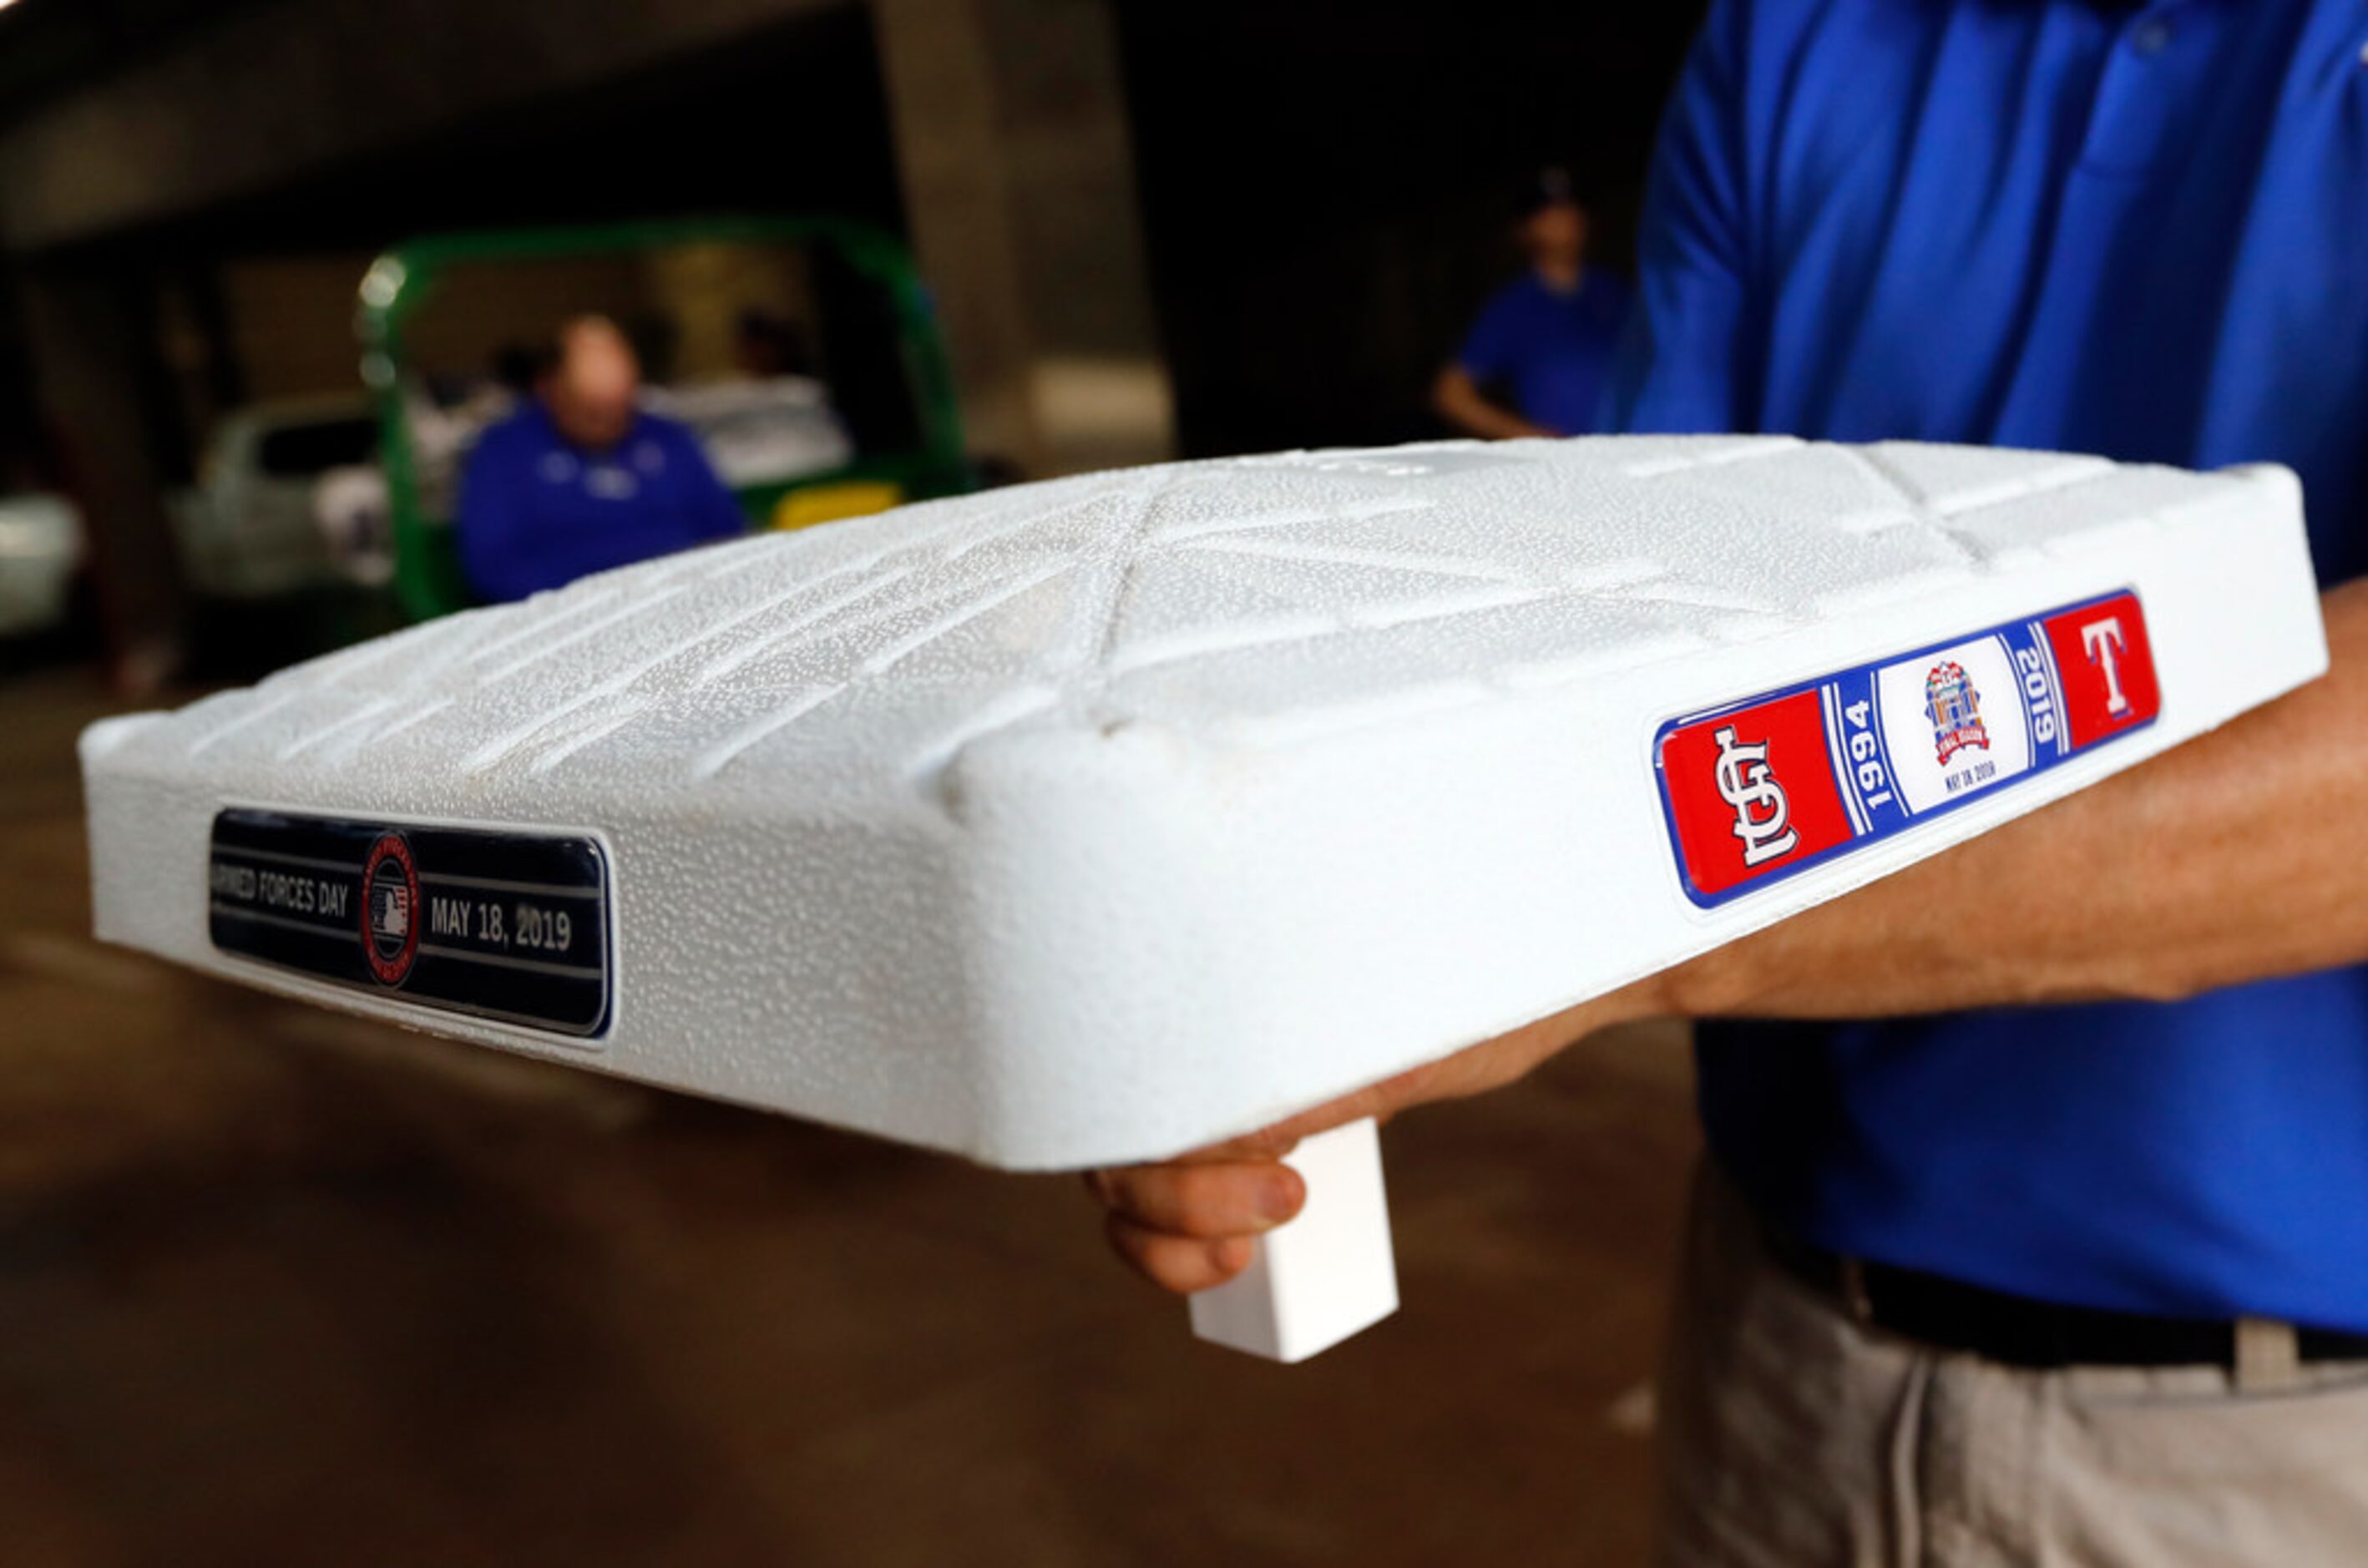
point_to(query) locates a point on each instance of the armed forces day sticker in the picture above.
(502, 924)
(1759, 789)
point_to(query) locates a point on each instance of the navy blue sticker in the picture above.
(497, 924)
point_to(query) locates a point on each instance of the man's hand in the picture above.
(1192, 1222)
(1456, 398)
(1189, 1223)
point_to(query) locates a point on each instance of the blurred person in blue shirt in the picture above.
(582, 478)
(2085, 1280)
(1547, 339)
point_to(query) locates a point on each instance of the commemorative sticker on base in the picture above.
(1757, 790)
(499, 924)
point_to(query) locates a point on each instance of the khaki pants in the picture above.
(1791, 1435)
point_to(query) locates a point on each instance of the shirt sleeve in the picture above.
(1492, 348)
(1686, 363)
(490, 521)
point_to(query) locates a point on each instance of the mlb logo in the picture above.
(390, 914)
(390, 910)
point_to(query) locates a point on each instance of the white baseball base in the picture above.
(1327, 1274)
(1084, 823)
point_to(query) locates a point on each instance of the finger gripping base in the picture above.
(1326, 1273)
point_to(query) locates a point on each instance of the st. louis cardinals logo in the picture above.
(1761, 810)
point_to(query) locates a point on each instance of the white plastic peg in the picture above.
(1326, 1273)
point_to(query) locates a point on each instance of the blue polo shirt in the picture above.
(1551, 348)
(537, 512)
(2138, 231)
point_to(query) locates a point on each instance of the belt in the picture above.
(2021, 1331)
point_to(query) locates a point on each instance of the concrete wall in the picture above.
(1018, 174)
(284, 88)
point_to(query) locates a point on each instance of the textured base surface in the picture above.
(1090, 821)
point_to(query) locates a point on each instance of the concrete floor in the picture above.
(279, 1287)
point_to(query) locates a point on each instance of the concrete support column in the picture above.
(1011, 139)
(82, 328)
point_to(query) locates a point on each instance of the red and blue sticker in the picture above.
(1759, 790)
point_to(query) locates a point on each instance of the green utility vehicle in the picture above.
(876, 425)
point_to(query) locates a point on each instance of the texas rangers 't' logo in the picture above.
(1955, 709)
(2102, 638)
(1760, 809)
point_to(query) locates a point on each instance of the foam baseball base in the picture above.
(1091, 821)
(1327, 1274)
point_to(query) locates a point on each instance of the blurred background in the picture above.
(281, 1286)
